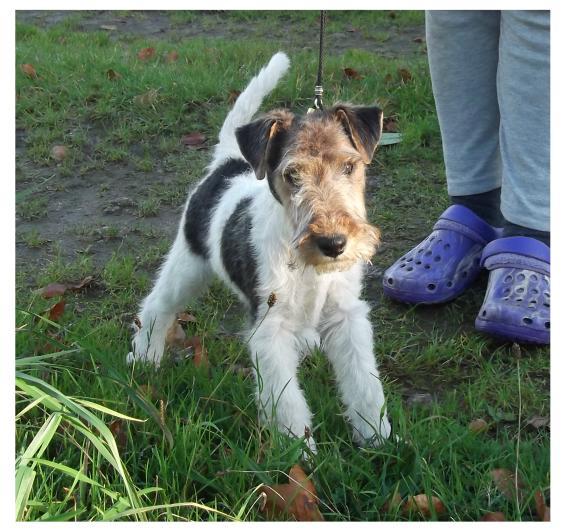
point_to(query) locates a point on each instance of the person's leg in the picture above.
(517, 301)
(523, 96)
(463, 60)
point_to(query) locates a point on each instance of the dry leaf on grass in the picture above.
(542, 509)
(177, 339)
(29, 71)
(112, 75)
(119, 431)
(56, 311)
(147, 99)
(404, 74)
(296, 499)
(59, 153)
(171, 57)
(233, 96)
(508, 483)
(351, 73)
(478, 426)
(56, 289)
(423, 504)
(493, 517)
(185, 317)
(146, 53)
(538, 422)
(193, 140)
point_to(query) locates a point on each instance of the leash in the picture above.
(318, 100)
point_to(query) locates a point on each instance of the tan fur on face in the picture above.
(327, 200)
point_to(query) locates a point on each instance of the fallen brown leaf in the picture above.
(233, 96)
(193, 140)
(147, 99)
(200, 357)
(56, 311)
(297, 499)
(56, 289)
(478, 426)
(29, 71)
(542, 509)
(113, 75)
(171, 57)
(423, 504)
(59, 153)
(418, 39)
(185, 317)
(390, 124)
(493, 517)
(118, 429)
(351, 73)
(508, 484)
(175, 336)
(404, 74)
(538, 422)
(146, 53)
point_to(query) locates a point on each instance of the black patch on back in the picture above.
(238, 253)
(203, 201)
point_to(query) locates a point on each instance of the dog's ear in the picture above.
(363, 126)
(262, 141)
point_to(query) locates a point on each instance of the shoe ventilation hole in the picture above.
(508, 278)
(409, 269)
(484, 313)
(532, 304)
(534, 291)
(402, 266)
(519, 299)
(428, 253)
(533, 278)
(437, 258)
(410, 259)
(546, 304)
(546, 294)
(527, 320)
(420, 250)
(432, 238)
(431, 287)
(447, 246)
(506, 291)
(521, 277)
(520, 290)
(418, 262)
(449, 284)
(439, 240)
(547, 324)
(390, 280)
(427, 266)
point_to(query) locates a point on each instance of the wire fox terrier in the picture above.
(281, 212)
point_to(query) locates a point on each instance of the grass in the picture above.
(200, 443)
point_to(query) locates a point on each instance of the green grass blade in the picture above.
(24, 482)
(106, 410)
(41, 440)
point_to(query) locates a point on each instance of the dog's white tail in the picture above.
(248, 104)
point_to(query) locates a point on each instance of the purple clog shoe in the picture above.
(443, 265)
(517, 301)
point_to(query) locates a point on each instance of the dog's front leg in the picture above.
(276, 356)
(347, 341)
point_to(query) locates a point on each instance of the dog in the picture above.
(280, 217)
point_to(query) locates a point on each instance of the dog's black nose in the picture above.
(332, 246)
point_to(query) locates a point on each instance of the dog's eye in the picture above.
(291, 177)
(348, 168)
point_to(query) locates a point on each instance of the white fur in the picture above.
(311, 308)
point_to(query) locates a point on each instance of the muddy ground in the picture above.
(96, 213)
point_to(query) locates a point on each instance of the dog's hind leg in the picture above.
(183, 277)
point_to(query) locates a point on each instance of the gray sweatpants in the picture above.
(490, 76)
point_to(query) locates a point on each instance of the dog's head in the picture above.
(315, 166)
